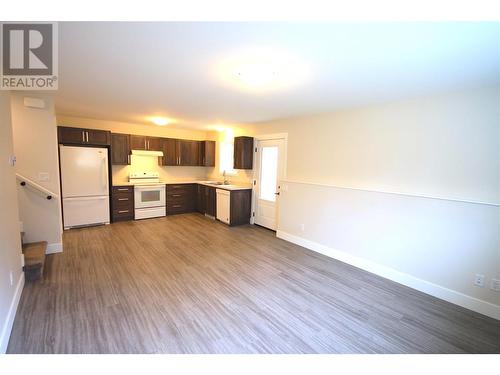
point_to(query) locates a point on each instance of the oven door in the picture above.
(149, 196)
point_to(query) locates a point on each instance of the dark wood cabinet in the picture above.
(241, 206)
(169, 148)
(142, 142)
(120, 149)
(122, 203)
(188, 152)
(243, 152)
(176, 152)
(200, 199)
(98, 137)
(138, 142)
(207, 154)
(154, 143)
(210, 201)
(206, 202)
(181, 198)
(180, 152)
(80, 136)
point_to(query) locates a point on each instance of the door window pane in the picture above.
(269, 173)
(150, 196)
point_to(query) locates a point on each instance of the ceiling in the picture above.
(129, 71)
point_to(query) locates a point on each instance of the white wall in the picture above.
(446, 145)
(10, 240)
(35, 145)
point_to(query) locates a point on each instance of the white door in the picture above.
(269, 172)
(223, 206)
(84, 171)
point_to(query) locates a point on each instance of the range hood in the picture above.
(147, 153)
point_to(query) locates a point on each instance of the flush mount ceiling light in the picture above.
(160, 121)
(262, 69)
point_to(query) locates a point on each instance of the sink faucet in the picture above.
(226, 181)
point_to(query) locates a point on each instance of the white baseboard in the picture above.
(54, 248)
(9, 320)
(471, 303)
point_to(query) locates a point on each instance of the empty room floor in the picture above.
(187, 284)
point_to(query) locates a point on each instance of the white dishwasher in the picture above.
(223, 206)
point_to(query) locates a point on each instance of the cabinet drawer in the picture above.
(177, 207)
(123, 197)
(180, 188)
(123, 205)
(123, 189)
(123, 214)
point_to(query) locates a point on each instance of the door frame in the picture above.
(267, 137)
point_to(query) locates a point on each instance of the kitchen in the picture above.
(92, 196)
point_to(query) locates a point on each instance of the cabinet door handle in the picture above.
(83, 136)
(148, 145)
(176, 205)
(128, 159)
(122, 189)
(176, 195)
(123, 212)
(123, 199)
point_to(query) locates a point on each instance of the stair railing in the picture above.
(27, 182)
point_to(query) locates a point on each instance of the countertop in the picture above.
(206, 183)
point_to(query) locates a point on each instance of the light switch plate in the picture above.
(43, 176)
(12, 160)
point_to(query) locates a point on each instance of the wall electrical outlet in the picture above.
(495, 285)
(479, 280)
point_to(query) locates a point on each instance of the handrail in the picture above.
(48, 194)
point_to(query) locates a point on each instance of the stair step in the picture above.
(34, 260)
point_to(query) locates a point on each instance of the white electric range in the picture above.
(149, 195)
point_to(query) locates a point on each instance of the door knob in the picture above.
(278, 193)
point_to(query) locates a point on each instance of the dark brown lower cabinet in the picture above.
(210, 201)
(206, 200)
(181, 198)
(122, 203)
(241, 206)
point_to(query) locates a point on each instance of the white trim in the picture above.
(265, 137)
(392, 192)
(457, 298)
(9, 320)
(54, 248)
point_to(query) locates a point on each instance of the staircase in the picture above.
(34, 260)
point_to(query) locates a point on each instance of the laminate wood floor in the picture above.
(187, 284)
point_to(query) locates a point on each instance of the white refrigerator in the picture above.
(84, 183)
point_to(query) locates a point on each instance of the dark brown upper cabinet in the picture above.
(188, 152)
(207, 154)
(180, 152)
(120, 149)
(169, 148)
(142, 142)
(80, 136)
(243, 152)
(138, 142)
